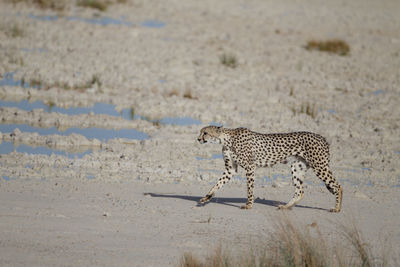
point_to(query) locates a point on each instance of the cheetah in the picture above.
(249, 150)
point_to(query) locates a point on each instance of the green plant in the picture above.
(334, 46)
(228, 60)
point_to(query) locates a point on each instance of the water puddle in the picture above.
(8, 80)
(90, 176)
(44, 17)
(152, 24)
(34, 50)
(378, 92)
(98, 108)
(104, 21)
(213, 156)
(7, 178)
(90, 133)
(8, 147)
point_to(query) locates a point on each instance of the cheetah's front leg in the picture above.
(250, 187)
(231, 168)
(223, 180)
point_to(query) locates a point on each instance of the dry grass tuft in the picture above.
(188, 94)
(306, 108)
(361, 250)
(188, 260)
(174, 92)
(334, 46)
(95, 4)
(228, 60)
(219, 258)
(291, 246)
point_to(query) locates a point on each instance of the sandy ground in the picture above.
(133, 202)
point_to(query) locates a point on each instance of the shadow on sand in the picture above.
(228, 201)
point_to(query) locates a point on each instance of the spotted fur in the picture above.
(249, 150)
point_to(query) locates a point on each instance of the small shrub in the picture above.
(228, 60)
(334, 46)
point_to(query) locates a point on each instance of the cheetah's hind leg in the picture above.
(299, 169)
(339, 196)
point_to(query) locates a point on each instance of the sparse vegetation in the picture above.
(50, 105)
(36, 82)
(132, 113)
(334, 46)
(188, 94)
(95, 80)
(39, 83)
(13, 58)
(174, 92)
(95, 4)
(292, 246)
(16, 31)
(228, 60)
(57, 5)
(13, 30)
(306, 108)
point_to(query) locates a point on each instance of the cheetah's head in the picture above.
(210, 134)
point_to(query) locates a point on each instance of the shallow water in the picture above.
(8, 80)
(8, 147)
(90, 133)
(213, 156)
(97, 108)
(7, 178)
(104, 21)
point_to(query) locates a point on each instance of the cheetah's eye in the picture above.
(205, 133)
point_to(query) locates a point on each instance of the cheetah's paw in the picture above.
(246, 207)
(284, 207)
(334, 210)
(205, 199)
